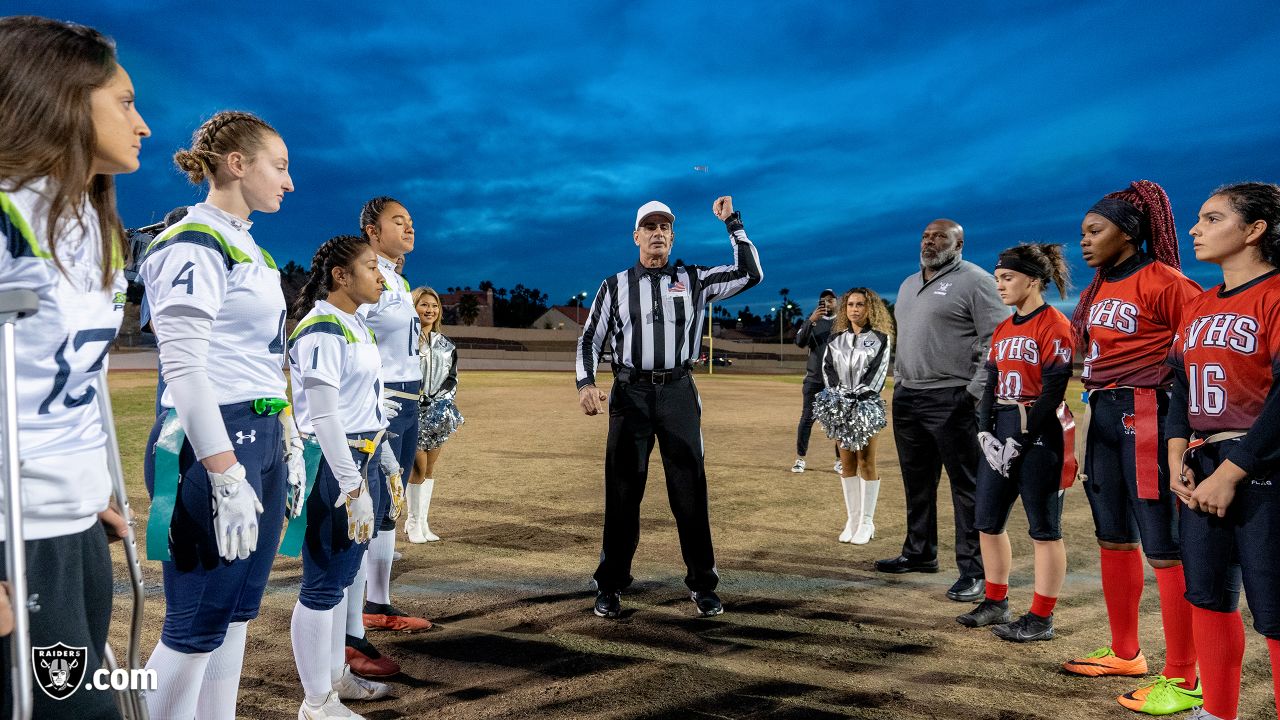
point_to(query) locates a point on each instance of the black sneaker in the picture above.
(608, 604)
(1027, 628)
(987, 612)
(708, 603)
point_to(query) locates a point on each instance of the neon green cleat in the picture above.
(1163, 697)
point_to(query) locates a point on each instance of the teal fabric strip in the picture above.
(165, 489)
(296, 531)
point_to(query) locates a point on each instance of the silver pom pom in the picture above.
(850, 419)
(437, 420)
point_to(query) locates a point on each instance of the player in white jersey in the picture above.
(64, 94)
(218, 494)
(335, 366)
(388, 227)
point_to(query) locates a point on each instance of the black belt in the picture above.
(651, 377)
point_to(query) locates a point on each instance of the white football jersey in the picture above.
(397, 326)
(210, 263)
(341, 351)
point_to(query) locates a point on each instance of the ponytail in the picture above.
(340, 251)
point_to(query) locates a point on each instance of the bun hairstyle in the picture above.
(340, 251)
(372, 212)
(1042, 261)
(878, 317)
(1256, 201)
(48, 69)
(1142, 212)
(226, 132)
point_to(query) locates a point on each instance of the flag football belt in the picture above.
(1070, 461)
(397, 394)
(1199, 442)
(1146, 440)
(167, 477)
(296, 531)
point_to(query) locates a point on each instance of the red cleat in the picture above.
(367, 666)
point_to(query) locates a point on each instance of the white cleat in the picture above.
(332, 708)
(353, 687)
(839, 468)
(799, 466)
(866, 531)
(396, 556)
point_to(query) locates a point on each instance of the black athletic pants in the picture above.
(934, 429)
(805, 428)
(639, 414)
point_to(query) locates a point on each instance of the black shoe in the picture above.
(708, 603)
(904, 564)
(1027, 628)
(987, 612)
(967, 589)
(608, 604)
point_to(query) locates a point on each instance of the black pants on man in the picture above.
(670, 413)
(805, 428)
(934, 429)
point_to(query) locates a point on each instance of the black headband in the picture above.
(1017, 264)
(1125, 216)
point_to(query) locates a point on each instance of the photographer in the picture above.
(813, 335)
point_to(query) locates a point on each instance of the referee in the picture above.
(650, 315)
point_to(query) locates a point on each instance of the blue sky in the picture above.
(522, 135)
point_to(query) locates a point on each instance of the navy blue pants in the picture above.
(1119, 515)
(1221, 554)
(204, 593)
(404, 444)
(330, 559)
(1036, 478)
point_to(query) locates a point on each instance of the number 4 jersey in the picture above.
(208, 265)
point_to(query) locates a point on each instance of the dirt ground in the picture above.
(810, 630)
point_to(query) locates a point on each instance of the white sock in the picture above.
(870, 493)
(178, 678)
(355, 601)
(378, 579)
(311, 631)
(337, 654)
(222, 676)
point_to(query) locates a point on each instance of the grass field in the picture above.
(810, 629)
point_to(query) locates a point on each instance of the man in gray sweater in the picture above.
(945, 316)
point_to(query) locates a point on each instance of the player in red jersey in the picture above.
(1126, 320)
(1021, 420)
(1226, 407)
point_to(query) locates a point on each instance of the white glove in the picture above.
(993, 450)
(235, 513)
(359, 515)
(390, 408)
(391, 467)
(1011, 452)
(297, 474)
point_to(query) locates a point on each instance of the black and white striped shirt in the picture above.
(652, 318)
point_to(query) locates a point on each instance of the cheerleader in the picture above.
(1020, 422)
(1224, 438)
(854, 366)
(335, 365)
(65, 96)
(215, 456)
(438, 417)
(1126, 319)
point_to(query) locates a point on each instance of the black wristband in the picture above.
(733, 222)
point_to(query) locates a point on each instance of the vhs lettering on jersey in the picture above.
(1016, 348)
(1114, 314)
(1223, 330)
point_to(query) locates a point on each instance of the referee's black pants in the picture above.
(671, 414)
(936, 428)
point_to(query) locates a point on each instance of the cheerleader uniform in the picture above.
(438, 416)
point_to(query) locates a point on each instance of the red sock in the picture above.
(1273, 646)
(1175, 611)
(997, 592)
(1041, 605)
(1122, 589)
(1221, 646)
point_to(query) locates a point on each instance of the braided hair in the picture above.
(1256, 201)
(226, 132)
(340, 251)
(1041, 261)
(1142, 212)
(372, 212)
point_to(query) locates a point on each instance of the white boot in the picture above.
(332, 707)
(852, 504)
(424, 505)
(867, 529)
(413, 524)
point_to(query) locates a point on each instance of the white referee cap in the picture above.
(653, 207)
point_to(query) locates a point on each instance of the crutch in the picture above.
(132, 705)
(15, 304)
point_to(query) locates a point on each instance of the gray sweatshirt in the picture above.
(945, 326)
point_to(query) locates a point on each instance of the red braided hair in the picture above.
(1157, 231)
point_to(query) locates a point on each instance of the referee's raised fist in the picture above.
(723, 207)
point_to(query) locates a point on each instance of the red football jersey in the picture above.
(1132, 322)
(1024, 350)
(1229, 349)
